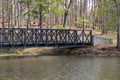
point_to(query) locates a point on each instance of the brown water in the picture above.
(61, 68)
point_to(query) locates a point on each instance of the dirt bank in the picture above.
(97, 50)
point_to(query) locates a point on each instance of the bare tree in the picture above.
(117, 4)
(67, 6)
(3, 20)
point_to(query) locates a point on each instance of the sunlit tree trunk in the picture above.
(19, 15)
(13, 14)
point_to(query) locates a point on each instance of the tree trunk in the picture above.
(19, 15)
(40, 17)
(3, 20)
(118, 27)
(28, 18)
(67, 11)
(118, 23)
(65, 18)
(13, 14)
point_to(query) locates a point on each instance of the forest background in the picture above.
(100, 15)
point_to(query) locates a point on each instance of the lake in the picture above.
(61, 68)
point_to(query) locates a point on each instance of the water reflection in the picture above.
(61, 68)
(109, 70)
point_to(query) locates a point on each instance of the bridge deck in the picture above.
(22, 37)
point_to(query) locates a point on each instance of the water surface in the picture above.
(61, 68)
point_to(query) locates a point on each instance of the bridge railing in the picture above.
(44, 37)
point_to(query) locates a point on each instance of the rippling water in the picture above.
(61, 68)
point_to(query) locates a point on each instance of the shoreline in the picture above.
(101, 50)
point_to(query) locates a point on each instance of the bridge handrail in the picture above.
(37, 36)
(42, 29)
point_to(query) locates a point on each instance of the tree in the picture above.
(67, 6)
(2, 2)
(45, 6)
(20, 13)
(117, 5)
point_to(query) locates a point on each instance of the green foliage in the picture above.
(27, 13)
(45, 15)
(97, 27)
(34, 13)
(60, 27)
(49, 6)
(86, 21)
(43, 7)
(58, 11)
(107, 13)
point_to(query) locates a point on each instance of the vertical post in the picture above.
(51, 36)
(83, 33)
(46, 37)
(65, 37)
(36, 37)
(41, 37)
(25, 32)
(68, 36)
(75, 35)
(91, 38)
(9, 32)
(12, 37)
(21, 35)
(56, 37)
(0, 37)
(32, 37)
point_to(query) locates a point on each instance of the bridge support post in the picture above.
(25, 32)
(75, 35)
(56, 37)
(46, 32)
(12, 37)
(36, 37)
(91, 38)
(0, 38)
(83, 34)
(65, 37)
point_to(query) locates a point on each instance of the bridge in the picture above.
(32, 37)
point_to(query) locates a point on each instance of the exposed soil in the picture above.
(97, 50)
